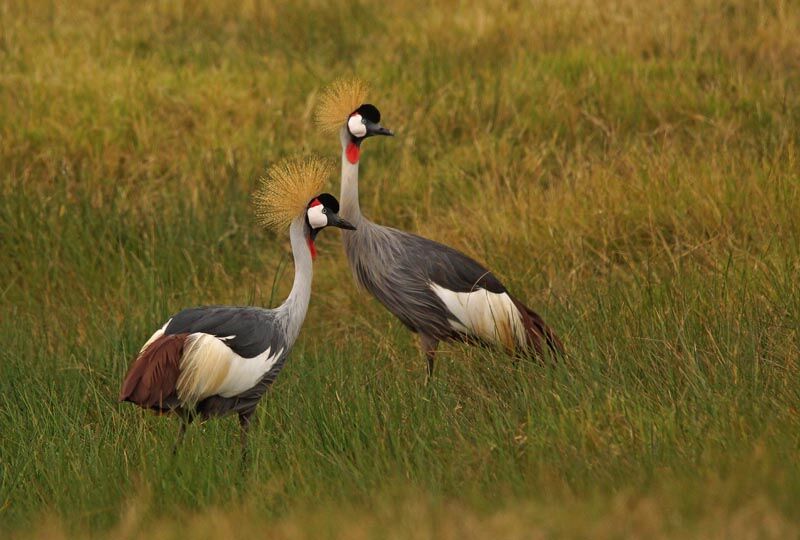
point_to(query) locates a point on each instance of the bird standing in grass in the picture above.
(220, 360)
(435, 290)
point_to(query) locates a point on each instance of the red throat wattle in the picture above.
(312, 248)
(353, 152)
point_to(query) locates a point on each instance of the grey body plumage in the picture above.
(433, 289)
(219, 360)
(248, 332)
(398, 267)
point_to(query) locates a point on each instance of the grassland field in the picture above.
(630, 168)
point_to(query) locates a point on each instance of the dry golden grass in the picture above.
(628, 167)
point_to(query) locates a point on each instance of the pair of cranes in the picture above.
(219, 360)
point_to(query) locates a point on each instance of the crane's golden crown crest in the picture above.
(338, 100)
(287, 188)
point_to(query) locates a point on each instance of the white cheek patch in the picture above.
(316, 218)
(356, 126)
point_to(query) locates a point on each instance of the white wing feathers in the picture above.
(209, 367)
(492, 317)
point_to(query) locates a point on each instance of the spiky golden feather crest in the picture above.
(338, 100)
(287, 188)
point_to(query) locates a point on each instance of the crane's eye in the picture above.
(324, 210)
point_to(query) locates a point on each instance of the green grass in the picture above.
(629, 168)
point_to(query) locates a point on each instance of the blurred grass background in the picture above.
(628, 167)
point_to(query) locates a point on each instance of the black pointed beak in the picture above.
(335, 221)
(377, 129)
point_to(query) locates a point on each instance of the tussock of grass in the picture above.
(630, 168)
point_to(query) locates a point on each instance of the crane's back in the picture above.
(442, 293)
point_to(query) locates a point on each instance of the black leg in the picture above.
(181, 435)
(186, 419)
(244, 423)
(429, 345)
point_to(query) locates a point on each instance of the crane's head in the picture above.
(365, 122)
(342, 108)
(322, 211)
(290, 194)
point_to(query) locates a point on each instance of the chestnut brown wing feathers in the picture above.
(152, 377)
(538, 332)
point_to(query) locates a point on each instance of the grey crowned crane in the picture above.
(219, 360)
(436, 291)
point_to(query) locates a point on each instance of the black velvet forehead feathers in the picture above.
(370, 112)
(328, 201)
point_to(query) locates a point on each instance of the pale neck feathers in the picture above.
(350, 209)
(294, 308)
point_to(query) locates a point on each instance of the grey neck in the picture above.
(348, 197)
(294, 308)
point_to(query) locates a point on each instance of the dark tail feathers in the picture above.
(539, 332)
